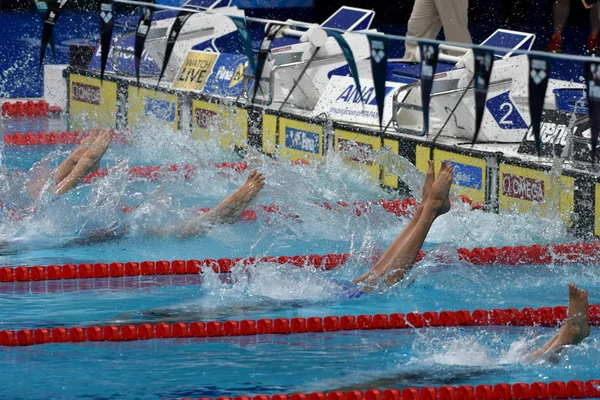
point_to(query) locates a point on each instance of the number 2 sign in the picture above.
(505, 112)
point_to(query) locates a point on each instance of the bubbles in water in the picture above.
(469, 348)
(298, 190)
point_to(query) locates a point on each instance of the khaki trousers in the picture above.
(428, 17)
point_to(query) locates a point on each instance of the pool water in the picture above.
(265, 364)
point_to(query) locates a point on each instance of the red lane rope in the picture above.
(544, 316)
(535, 254)
(520, 255)
(162, 267)
(501, 391)
(155, 172)
(31, 139)
(398, 207)
(28, 108)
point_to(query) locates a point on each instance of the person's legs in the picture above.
(85, 164)
(454, 15)
(592, 44)
(390, 252)
(227, 211)
(424, 22)
(65, 168)
(560, 14)
(403, 252)
(575, 329)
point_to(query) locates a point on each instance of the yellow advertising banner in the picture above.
(389, 179)
(195, 70)
(226, 123)
(299, 140)
(525, 189)
(145, 103)
(92, 104)
(358, 147)
(269, 134)
(469, 172)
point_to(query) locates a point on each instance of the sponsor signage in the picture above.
(550, 133)
(144, 103)
(554, 134)
(521, 187)
(524, 189)
(299, 139)
(227, 77)
(195, 70)
(306, 141)
(227, 124)
(341, 101)
(469, 171)
(356, 151)
(85, 93)
(467, 175)
(359, 148)
(92, 103)
(204, 118)
(161, 109)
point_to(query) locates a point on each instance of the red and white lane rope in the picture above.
(544, 316)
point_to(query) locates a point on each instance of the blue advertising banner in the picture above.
(227, 77)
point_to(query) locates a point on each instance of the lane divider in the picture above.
(520, 255)
(502, 391)
(161, 267)
(108, 284)
(32, 139)
(544, 316)
(398, 207)
(28, 108)
(531, 255)
(155, 172)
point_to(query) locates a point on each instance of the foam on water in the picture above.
(295, 188)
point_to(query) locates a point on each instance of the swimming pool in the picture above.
(266, 364)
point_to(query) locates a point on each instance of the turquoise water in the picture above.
(271, 363)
